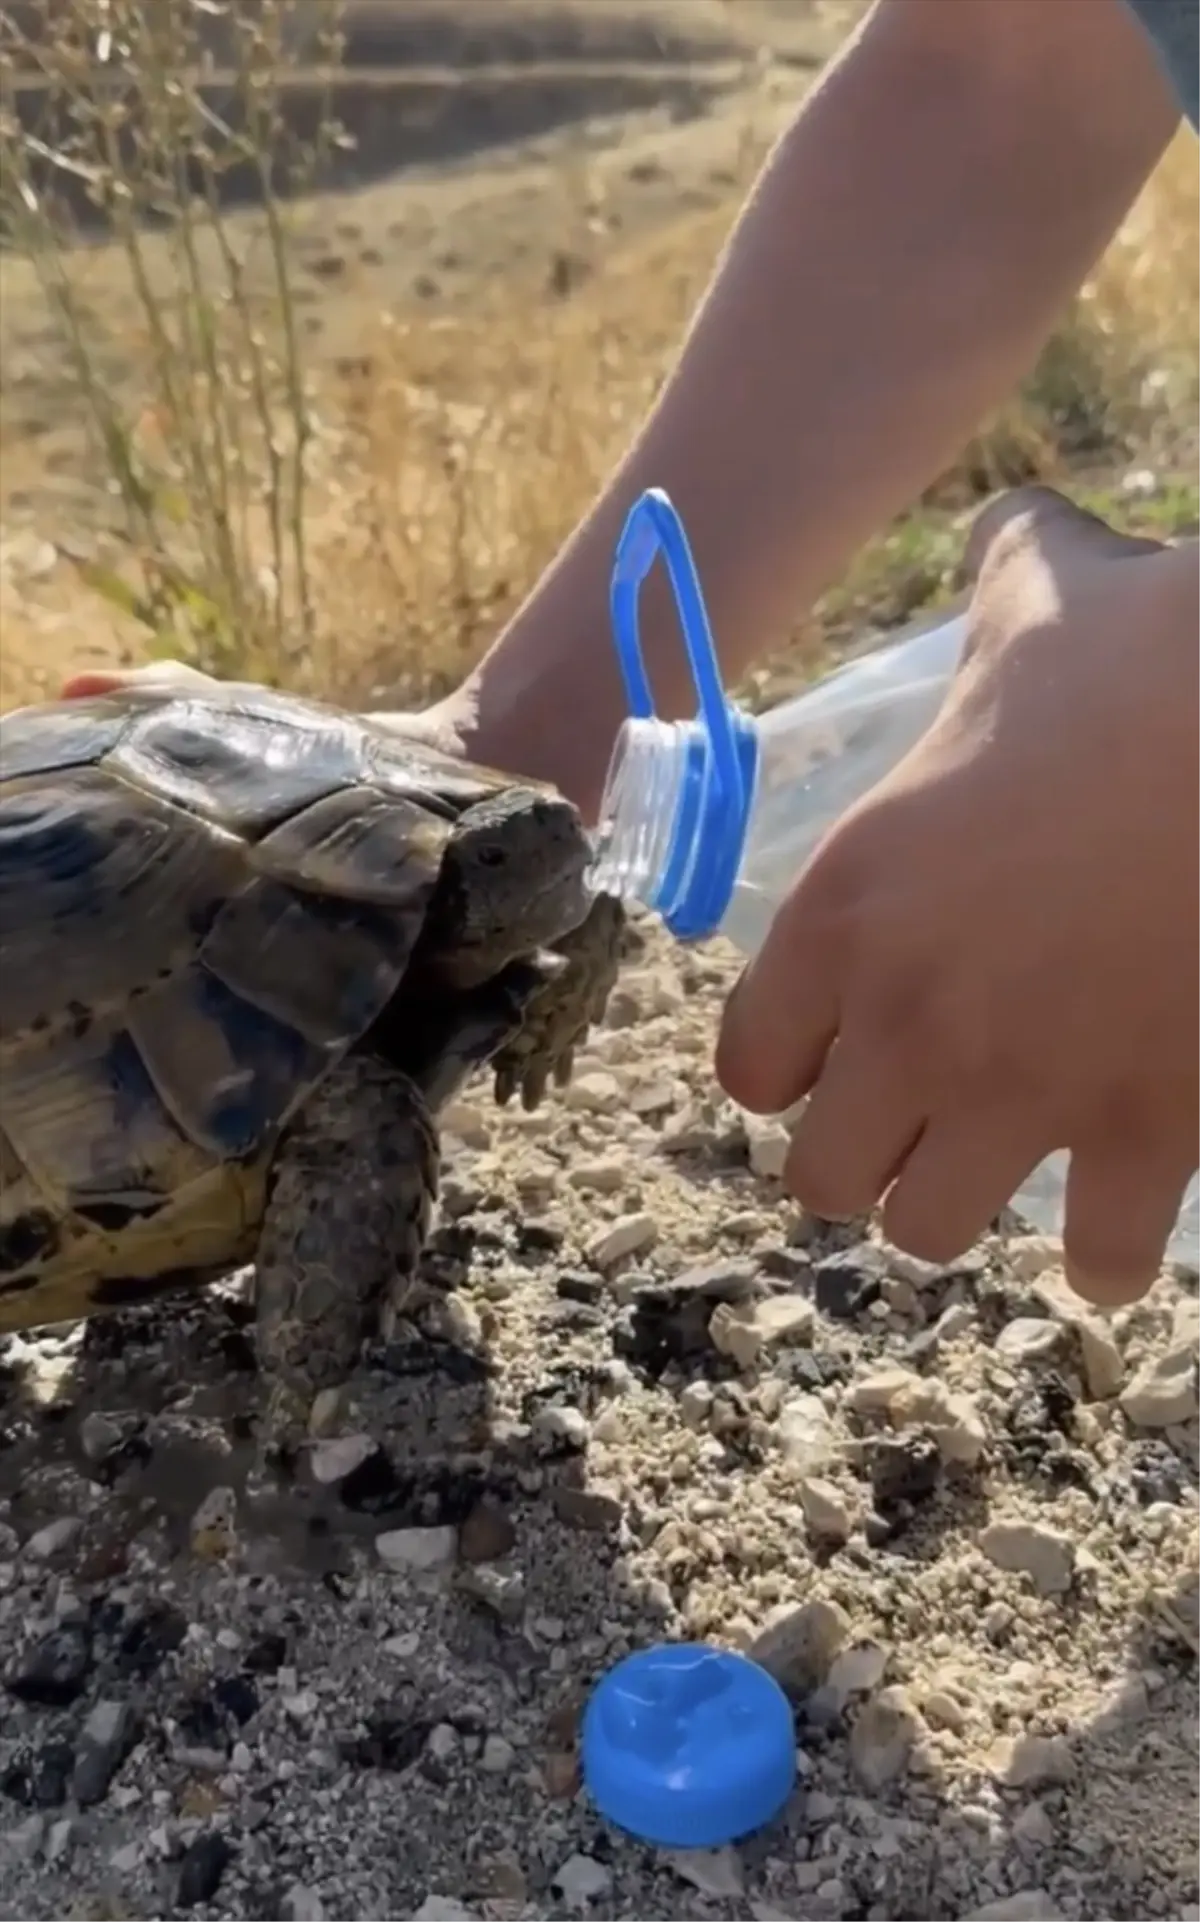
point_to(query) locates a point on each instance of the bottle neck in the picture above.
(639, 809)
(674, 818)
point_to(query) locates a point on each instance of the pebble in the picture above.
(1032, 1827)
(829, 1516)
(595, 1092)
(487, 1534)
(1163, 1392)
(416, 1549)
(498, 1755)
(99, 1436)
(845, 1284)
(798, 1645)
(1028, 1256)
(1033, 1761)
(805, 1432)
(883, 1737)
(856, 1671)
(767, 1144)
(104, 1741)
(333, 1460)
(204, 1863)
(1028, 1338)
(1019, 1547)
(582, 1879)
(1103, 1362)
(747, 1330)
(53, 1673)
(552, 1425)
(717, 1873)
(214, 1525)
(626, 1236)
(53, 1537)
(1028, 1905)
(301, 1904)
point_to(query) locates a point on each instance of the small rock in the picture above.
(104, 1741)
(487, 1534)
(214, 1525)
(204, 1863)
(150, 1637)
(695, 1405)
(941, 1709)
(1029, 1256)
(715, 1872)
(746, 1330)
(856, 1671)
(594, 1093)
(416, 1549)
(626, 1236)
(54, 1671)
(804, 1431)
(604, 1176)
(767, 1143)
(1045, 1554)
(301, 1904)
(442, 1908)
(333, 1460)
(54, 1537)
(1163, 1393)
(882, 1739)
(589, 1508)
(828, 1515)
(1033, 1761)
(99, 1436)
(500, 1590)
(554, 1426)
(903, 1469)
(1103, 1362)
(1032, 1828)
(582, 1880)
(1028, 1905)
(59, 1837)
(498, 1755)
(846, 1284)
(798, 1645)
(1028, 1338)
(879, 1391)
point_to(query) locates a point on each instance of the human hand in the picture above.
(994, 955)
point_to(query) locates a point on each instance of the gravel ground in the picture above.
(639, 1395)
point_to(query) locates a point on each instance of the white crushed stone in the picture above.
(614, 1412)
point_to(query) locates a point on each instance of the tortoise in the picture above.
(250, 948)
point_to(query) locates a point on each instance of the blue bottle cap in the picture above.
(688, 1747)
(717, 791)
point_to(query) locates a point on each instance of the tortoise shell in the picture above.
(205, 901)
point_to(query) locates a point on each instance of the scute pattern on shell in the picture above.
(204, 902)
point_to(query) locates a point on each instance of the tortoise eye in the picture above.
(491, 857)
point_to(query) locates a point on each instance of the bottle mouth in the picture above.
(638, 810)
(671, 831)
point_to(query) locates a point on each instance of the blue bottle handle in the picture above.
(654, 528)
(713, 809)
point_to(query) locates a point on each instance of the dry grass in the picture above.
(362, 521)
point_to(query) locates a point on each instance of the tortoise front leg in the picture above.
(352, 1189)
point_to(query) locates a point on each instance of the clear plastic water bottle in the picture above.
(709, 821)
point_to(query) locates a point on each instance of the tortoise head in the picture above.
(513, 879)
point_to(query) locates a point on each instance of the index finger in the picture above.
(782, 1017)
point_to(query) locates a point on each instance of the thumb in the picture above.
(1041, 521)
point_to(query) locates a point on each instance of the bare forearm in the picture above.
(904, 255)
